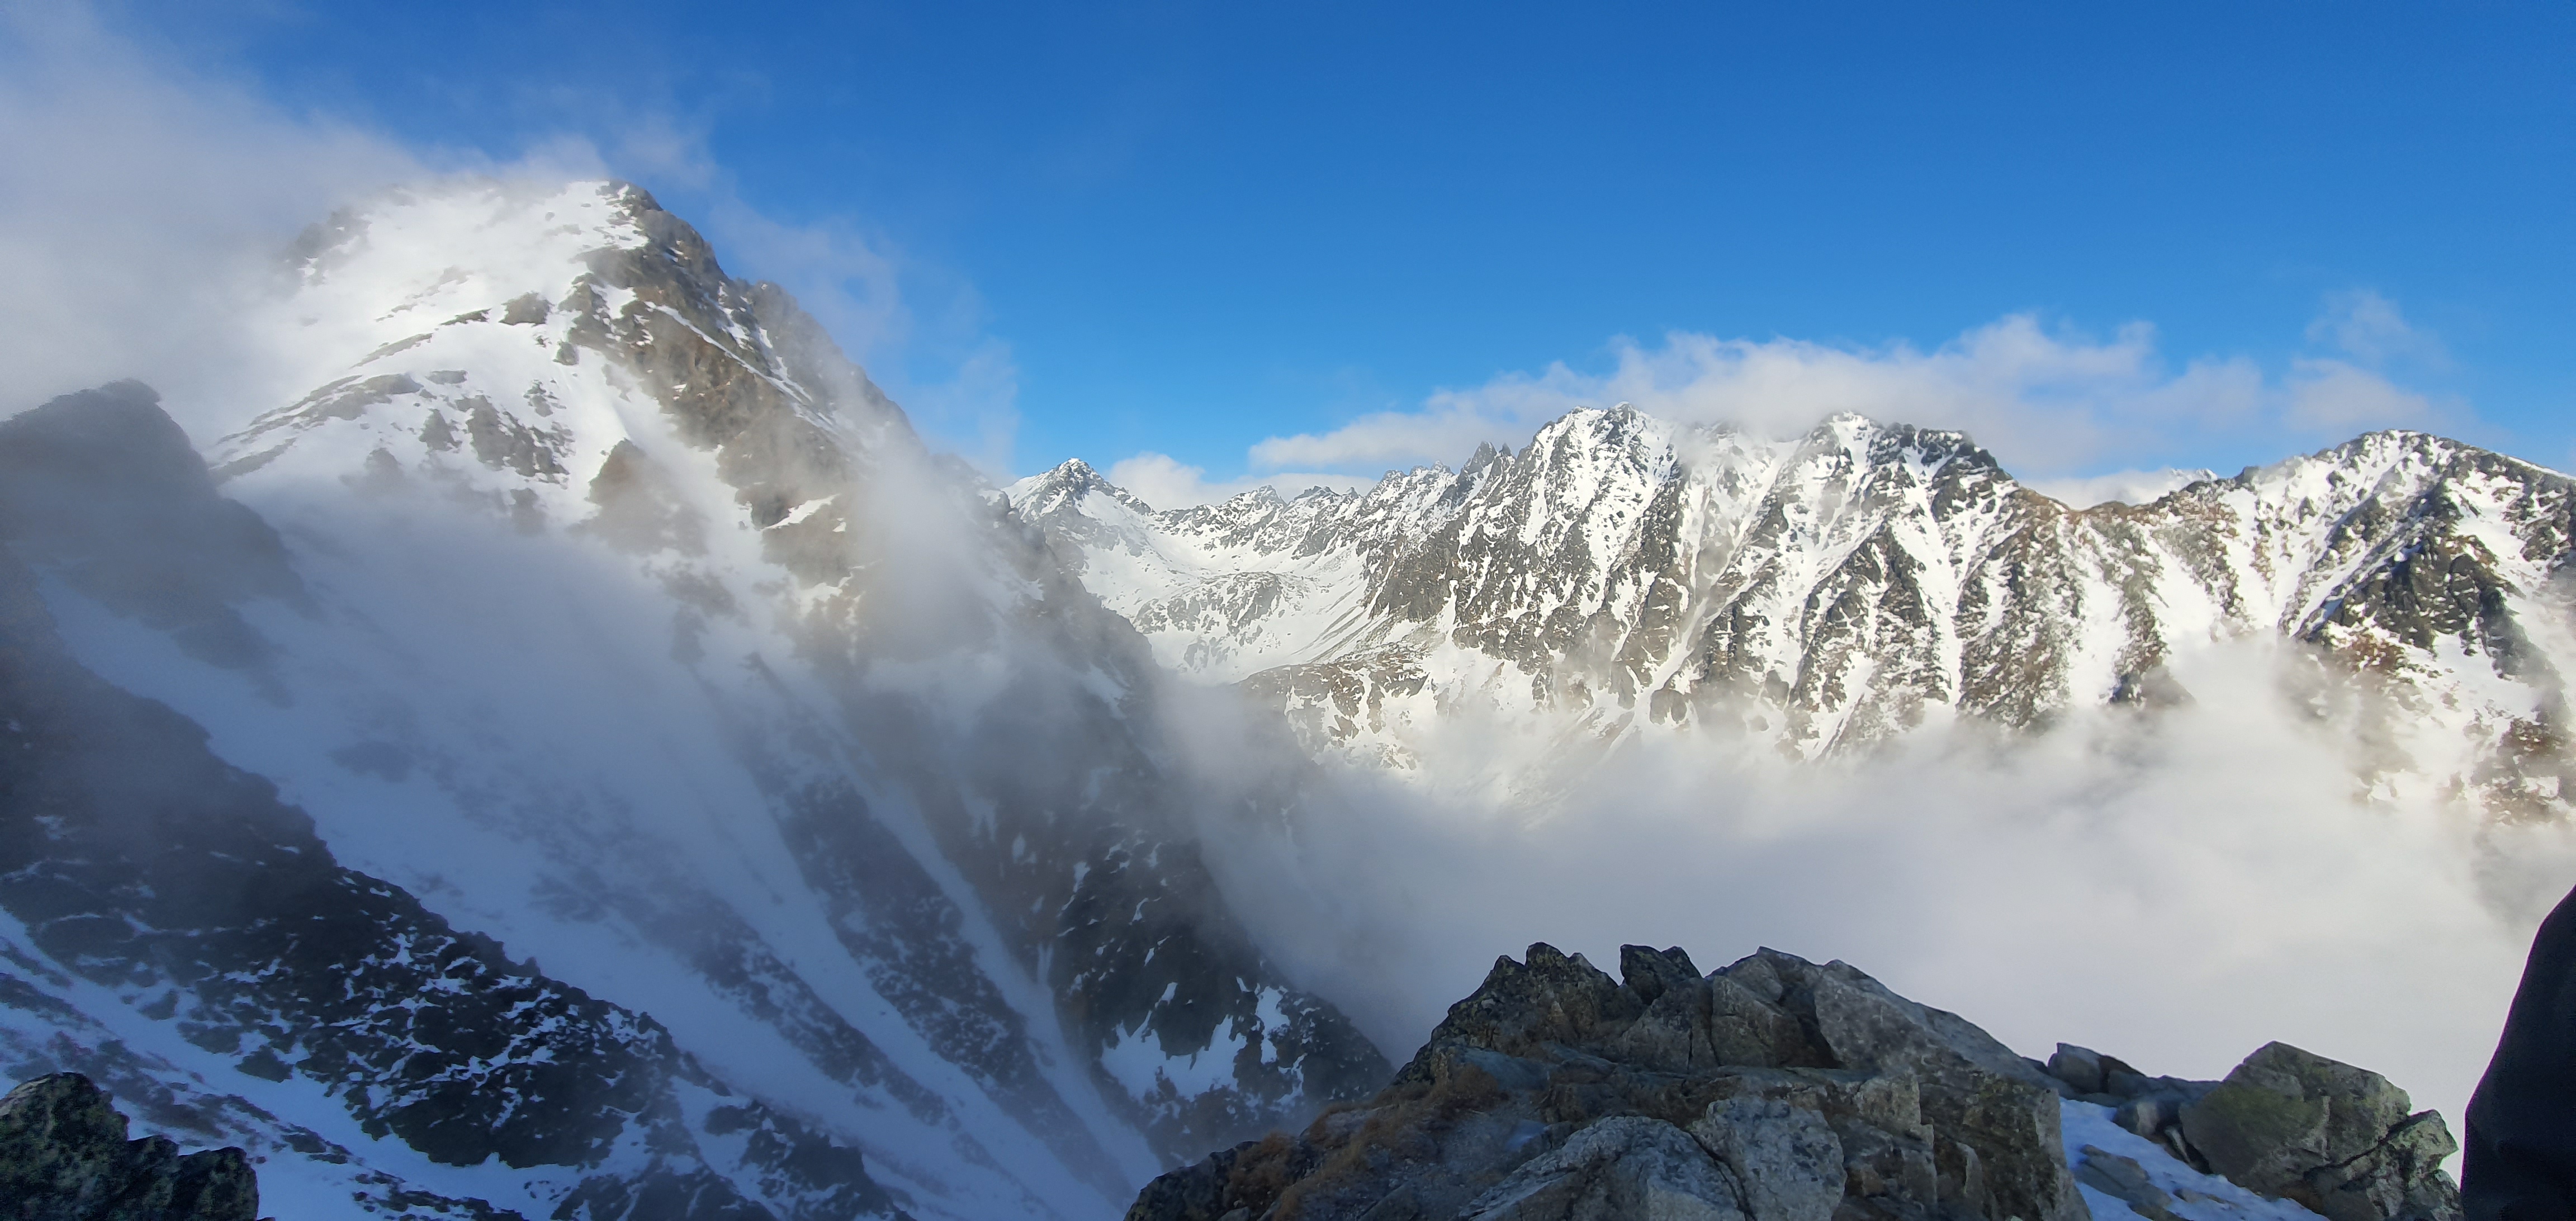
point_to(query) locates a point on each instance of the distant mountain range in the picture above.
(1820, 594)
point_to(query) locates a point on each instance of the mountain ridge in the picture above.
(1824, 592)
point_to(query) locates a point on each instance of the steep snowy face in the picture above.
(611, 615)
(471, 315)
(1821, 593)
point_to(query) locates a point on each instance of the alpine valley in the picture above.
(581, 754)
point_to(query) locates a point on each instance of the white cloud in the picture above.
(2175, 889)
(2340, 396)
(2062, 400)
(2368, 327)
(2126, 487)
(2050, 403)
(140, 200)
(141, 196)
(976, 408)
(1165, 482)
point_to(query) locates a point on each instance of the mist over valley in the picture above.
(584, 755)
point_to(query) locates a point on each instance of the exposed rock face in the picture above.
(1773, 1090)
(2340, 1141)
(1821, 593)
(64, 1157)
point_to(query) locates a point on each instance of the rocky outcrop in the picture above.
(64, 1157)
(1774, 1090)
(1778, 1089)
(2340, 1141)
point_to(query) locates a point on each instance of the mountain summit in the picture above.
(630, 775)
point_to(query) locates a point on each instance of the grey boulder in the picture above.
(2340, 1140)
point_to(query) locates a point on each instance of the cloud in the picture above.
(2051, 403)
(2339, 396)
(2126, 487)
(975, 409)
(1165, 482)
(2368, 327)
(2067, 398)
(141, 200)
(143, 195)
(2175, 888)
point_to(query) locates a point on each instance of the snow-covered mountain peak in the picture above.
(471, 236)
(1590, 435)
(1266, 496)
(410, 260)
(570, 357)
(1066, 486)
(632, 627)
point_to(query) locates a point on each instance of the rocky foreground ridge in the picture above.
(64, 1157)
(1777, 1089)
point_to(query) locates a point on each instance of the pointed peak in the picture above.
(1067, 484)
(1621, 433)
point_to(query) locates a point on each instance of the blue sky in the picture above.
(2101, 238)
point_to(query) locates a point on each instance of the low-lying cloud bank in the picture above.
(2176, 888)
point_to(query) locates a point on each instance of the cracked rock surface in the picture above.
(64, 1156)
